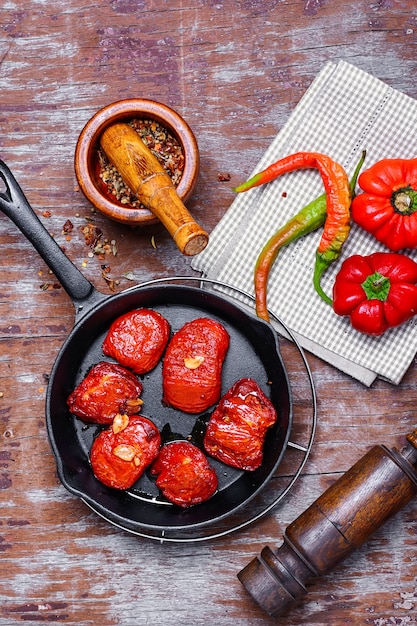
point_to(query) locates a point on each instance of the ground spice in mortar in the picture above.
(165, 147)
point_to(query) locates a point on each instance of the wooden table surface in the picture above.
(235, 71)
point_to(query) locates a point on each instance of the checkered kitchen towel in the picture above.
(344, 111)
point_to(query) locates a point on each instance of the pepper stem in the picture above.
(404, 201)
(358, 168)
(376, 286)
(319, 268)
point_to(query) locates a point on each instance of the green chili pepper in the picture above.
(311, 217)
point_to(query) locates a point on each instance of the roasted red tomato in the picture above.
(237, 428)
(108, 389)
(137, 339)
(185, 476)
(121, 453)
(192, 367)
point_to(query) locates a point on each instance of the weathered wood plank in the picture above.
(235, 71)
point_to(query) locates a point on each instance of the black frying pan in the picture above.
(253, 352)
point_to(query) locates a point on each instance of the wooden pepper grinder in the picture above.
(340, 520)
(153, 187)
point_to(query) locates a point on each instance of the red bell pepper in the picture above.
(184, 474)
(192, 366)
(388, 206)
(121, 453)
(107, 390)
(377, 292)
(137, 339)
(237, 427)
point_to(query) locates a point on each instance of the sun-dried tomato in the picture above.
(121, 453)
(185, 477)
(192, 366)
(137, 339)
(237, 428)
(108, 389)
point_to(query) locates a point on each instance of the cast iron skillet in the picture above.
(253, 352)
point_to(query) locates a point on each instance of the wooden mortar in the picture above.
(338, 522)
(150, 183)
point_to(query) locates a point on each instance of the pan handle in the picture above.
(14, 204)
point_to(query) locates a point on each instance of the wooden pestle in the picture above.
(339, 521)
(148, 180)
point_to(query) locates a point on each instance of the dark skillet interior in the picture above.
(253, 353)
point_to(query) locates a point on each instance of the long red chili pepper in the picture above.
(335, 204)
